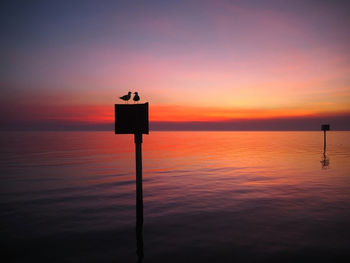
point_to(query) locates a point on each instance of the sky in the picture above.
(65, 63)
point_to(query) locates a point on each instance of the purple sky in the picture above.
(65, 63)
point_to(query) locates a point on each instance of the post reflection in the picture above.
(325, 161)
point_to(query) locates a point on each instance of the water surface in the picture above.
(208, 197)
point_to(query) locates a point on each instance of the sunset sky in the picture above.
(67, 62)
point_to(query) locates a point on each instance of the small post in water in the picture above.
(325, 127)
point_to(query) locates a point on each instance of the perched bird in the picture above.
(136, 97)
(126, 97)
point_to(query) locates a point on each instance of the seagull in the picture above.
(126, 97)
(136, 97)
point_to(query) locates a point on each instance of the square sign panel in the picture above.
(131, 118)
(325, 127)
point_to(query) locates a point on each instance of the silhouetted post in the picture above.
(133, 119)
(325, 128)
(139, 196)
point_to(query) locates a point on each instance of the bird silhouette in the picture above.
(136, 97)
(126, 97)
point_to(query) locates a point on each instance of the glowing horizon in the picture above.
(193, 61)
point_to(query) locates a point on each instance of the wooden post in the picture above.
(324, 141)
(325, 128)
(139, 196)
(325, 161)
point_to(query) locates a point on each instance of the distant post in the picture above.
(133, 119)
(325, 128)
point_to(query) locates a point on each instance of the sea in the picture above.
(207, 197)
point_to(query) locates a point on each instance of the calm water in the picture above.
(208, 197)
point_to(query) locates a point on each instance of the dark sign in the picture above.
(131, 118)
(325, 127)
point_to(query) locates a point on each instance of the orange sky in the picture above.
(207, 61)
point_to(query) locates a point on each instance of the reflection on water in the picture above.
(325, 161)
(208, 197)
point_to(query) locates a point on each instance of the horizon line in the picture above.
(337, 123)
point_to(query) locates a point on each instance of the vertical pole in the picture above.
(139, 196)
(324, 141)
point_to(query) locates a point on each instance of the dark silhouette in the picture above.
(324, 128)
(325, 159)
(133, 119)
(127, 97)
(139, 197)
(136, 97)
